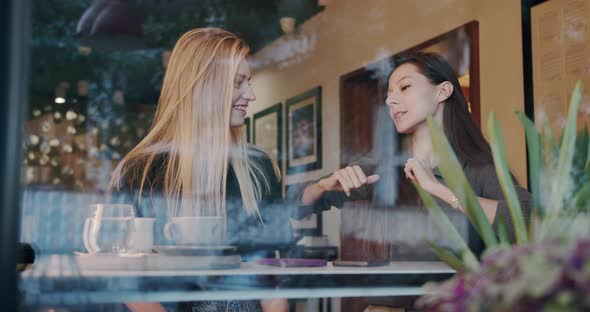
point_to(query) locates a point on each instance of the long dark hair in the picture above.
(465, 137)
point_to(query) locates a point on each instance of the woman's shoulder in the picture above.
(477, 172)
(484, 174)
(257, 154)
(262, 159)
(479, 167)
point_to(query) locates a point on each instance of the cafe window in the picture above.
(300, 155)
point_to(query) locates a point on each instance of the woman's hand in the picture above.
(145, 307)
(421, 174)
(347, 179)
(274, 305)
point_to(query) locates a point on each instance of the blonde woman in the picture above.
(195, 155)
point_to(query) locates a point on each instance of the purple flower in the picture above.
(528, 277)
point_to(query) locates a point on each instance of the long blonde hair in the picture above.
(191, 128)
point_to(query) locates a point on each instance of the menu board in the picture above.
(561, 57)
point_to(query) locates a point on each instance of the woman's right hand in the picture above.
(347, 179)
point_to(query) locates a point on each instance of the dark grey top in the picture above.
(245, 231)
(483, 180)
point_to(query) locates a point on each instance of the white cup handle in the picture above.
(169, 231)
(89, 242)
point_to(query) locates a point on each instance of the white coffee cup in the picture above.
(141, 238)
(195, 230)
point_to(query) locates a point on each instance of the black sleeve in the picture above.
(274, 211)
(126, 195)
(335, 198)
(151, 203)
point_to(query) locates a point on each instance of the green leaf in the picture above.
(587, 166)
(549, 147)
(566, 154)
(503, 233)
(533, 224)
(506, 182)
(533, 139)
(533, 142)
(580, 157)
(549, 154)
(455, 179)
(560, 141)
(579, 174)
(582, 198)
(447, 227)
(447, 257)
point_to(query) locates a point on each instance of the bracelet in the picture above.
(455, 202)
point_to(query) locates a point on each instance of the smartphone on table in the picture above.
(367, 263)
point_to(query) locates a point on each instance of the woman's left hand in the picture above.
(421, 174)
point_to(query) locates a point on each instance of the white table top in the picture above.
(58, 279)
(56, 266)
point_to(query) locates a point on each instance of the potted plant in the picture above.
(547, 268)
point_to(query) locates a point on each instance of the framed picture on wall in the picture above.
(268, 131)
(247, 129)
(304, 131)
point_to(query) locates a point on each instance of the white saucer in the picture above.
(196, 250)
